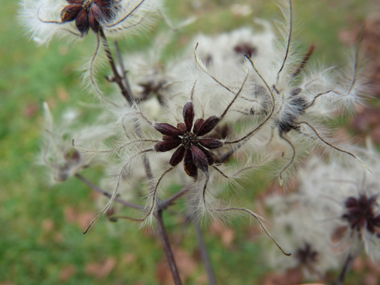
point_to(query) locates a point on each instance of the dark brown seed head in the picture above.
(307, 255)
(246, 49)
(87, 14)
(360, 213)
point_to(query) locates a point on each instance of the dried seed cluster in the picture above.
(88, 14)
(192, 148)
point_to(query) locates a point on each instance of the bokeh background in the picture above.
(41, 240)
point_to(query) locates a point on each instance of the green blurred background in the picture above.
(41, 240)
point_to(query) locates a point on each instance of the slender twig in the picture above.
(347, 265)
(170, 201)
(124, 72)
(161, 227)
(167, 248)
(128, 95)
(97, 189)
(205, 256)
(117, 78)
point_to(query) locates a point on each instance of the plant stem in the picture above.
(347, 265)
(127, 93)
(170, 201)
(167, 248)
(205, 256)
(96, 188)
(117, 78)
(126, 82)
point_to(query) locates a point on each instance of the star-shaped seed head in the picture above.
(87, 14)
(246, 49)
(192, 148)
(307, 255)
(360, 213)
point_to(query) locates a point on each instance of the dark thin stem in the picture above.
(124, 72)
(329, 144)
(125, 90)
(223, 158)
(304, 60)
(234, 99)
(167, 248)
(117, 78)
(358, 41)
(170, 201)
(205, 256)
(97, 189)
(289, 39)
(247, 136)
(293, 154)
(347, 265)
(128, 95)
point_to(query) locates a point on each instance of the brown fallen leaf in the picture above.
(370, 49)
(163, 273)
(129, 258)
(359, 264)
(290, 277)
(185, 263)
(70, 214)
(367, 123)
(67, 272)
(30, 110)
(373, 266)
(371, 279)
(58, 237)
(48, 225)
(84, 219)
(226, 234)
(101, 270)
(202, 280)
(63, 94)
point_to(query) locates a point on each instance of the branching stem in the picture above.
(117, 78)
(204, 253)
(167, 248)
(105, 193)
(347, 265)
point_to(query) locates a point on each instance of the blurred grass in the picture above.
(36, 240)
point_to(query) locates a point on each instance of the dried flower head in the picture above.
(361, 213)
(188, 136)
(291, 99)
(88, 14)
(300, 229)
(348, 198)
(47, 18)
(59, 155)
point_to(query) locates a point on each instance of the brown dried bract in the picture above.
(191, 147)
(87, 14)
